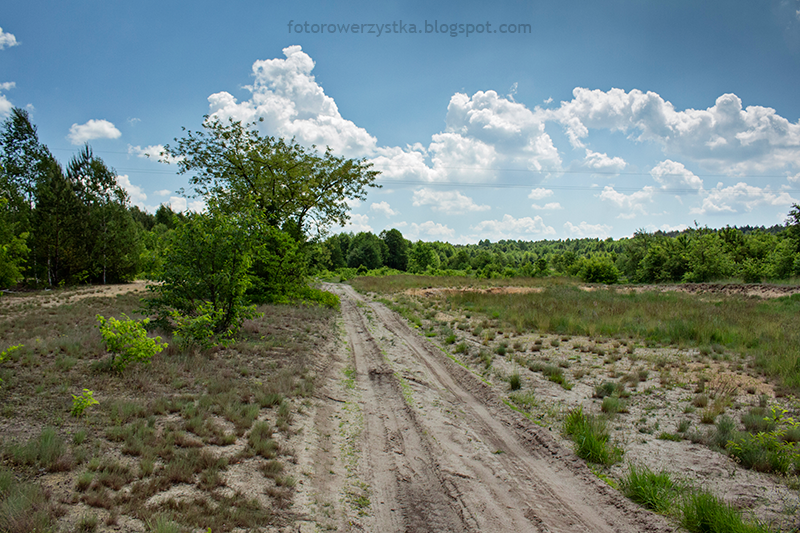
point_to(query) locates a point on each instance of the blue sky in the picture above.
(600, 119)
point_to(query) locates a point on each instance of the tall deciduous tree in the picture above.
(397, 246)
(295, 188)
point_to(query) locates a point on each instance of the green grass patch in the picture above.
(702, 512)
(591, 438)
(655, 491)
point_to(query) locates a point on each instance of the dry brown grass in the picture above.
(157, 425)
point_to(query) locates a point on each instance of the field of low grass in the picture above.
(765, 331)
(170, 446)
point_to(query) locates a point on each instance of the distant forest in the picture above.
(750, 254)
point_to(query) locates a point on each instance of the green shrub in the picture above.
(514, 381)
(8, 351)
(763, 452)
(128, 342)
(80, 403)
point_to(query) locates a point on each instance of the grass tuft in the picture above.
(655, 491)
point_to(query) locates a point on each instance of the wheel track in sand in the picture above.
(485, 470)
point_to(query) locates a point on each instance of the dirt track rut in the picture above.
(440, 452)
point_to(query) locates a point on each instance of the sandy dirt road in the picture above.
(438, 450)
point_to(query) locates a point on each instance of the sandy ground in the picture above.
(19, 302)
(405, 439)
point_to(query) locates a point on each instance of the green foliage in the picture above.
(294, 188)
(597, 269)
(422, 257)
(396, 249)
(80, 403)
(128, 342)
(768, 451)
(655, 491)
(279, 268)
(366, 250)
(205, 276)
(5, 353)
(591, 438)
(702, 512)
(13, 247)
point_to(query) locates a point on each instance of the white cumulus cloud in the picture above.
(383, 208)
(741, 197)
(180, 204)
(357, 223)
(550, 206)
(154, 152)
(584, 229)
(432, 229)
(449, 202)
(7, 39)
(136, 193)
(629, 205)
(725, 136)
(93, 129)
(288, 102)
(673, 176)
(5, 104)
(510, 227)
(540, 193)
(602, 163)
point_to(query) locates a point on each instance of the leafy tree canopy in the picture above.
(296, 188)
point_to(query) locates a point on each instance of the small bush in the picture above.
(80, 403)
(612, 405)
(700, 401)
(128, 342)
(514, 381)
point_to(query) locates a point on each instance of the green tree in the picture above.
(105, 230)
(294, 188)
(422, 257)
(397, 249)
(205, 273)
(707, 259)
(367, 250)
(793, 226)
(13, 249)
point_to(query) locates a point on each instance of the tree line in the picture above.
(693, 255)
